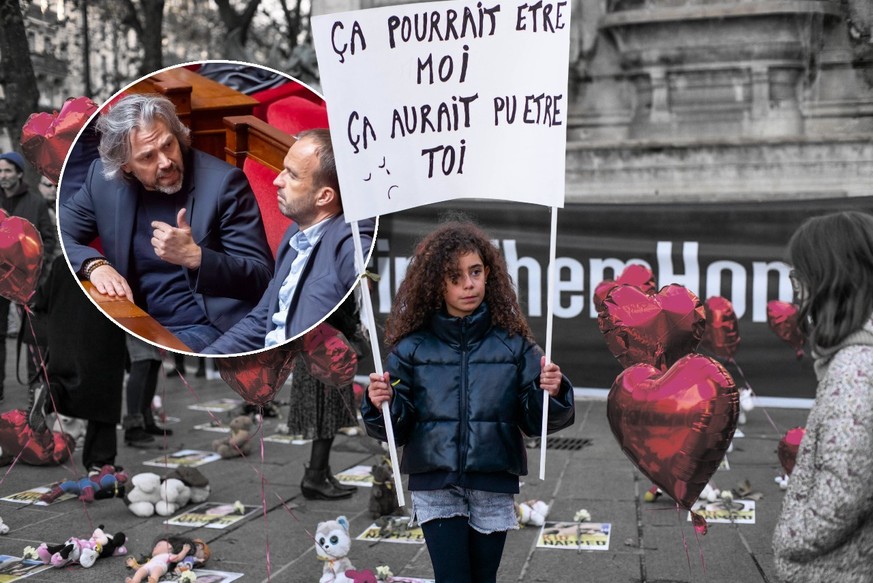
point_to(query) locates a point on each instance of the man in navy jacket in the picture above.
(181, 231)
(315, 267)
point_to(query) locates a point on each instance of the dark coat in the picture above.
(464, 393)
(225, 221)
(326, 279)
(86, 351)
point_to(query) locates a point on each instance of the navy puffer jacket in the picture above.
(464, 391)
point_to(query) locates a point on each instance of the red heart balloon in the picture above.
(258, 377)
(328, 356)
(46, 138)
(20, 259)
(675, 426)
(37, 449)
(655, 329)
(634, 274)
(721, 335)
(782, 318)
(787, 450)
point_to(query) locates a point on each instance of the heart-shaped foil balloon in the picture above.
(787, 450)
(634, 274)
(722, 335)
(328, 356)
(675, 426)
(656, 329)
(46, 138)
(258, 377)
(782, 319)
(20, 259)
(37, 449)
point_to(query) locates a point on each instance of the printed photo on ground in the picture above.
(585, 536)
(32, 497)
(356, 476)
(739, 511)
(212, 515)
(217, 405)
(396, 531)
(189, 458)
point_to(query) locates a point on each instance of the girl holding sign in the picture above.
(464, 381)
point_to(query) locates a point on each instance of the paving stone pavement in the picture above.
(650, 542)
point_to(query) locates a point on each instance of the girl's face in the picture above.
(465, 285)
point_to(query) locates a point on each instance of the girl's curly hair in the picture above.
(422, 291)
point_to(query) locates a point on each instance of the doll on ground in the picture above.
(162, 558)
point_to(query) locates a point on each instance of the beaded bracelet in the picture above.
(91, 265)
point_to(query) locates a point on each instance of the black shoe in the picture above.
(36, 414)
(137, 437)
(339, 485)
(316, 486)
(159, 431)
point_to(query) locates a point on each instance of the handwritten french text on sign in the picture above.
(443, 100)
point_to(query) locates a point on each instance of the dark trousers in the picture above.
(101, 444)
(4, 328)
(141, 386)
(461, 554)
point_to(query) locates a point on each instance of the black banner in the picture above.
(735, 250)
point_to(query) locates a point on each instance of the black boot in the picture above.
(134, 432)
(316, 486)
(339, 485)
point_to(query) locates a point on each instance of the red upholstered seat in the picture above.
(294, 114)
(270, 96)
(261, 179)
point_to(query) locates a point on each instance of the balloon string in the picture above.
(684, 539)
(15, 460)
(70, 464)
(258, 471)
(748, 386)
(700, 552)
(264, 498)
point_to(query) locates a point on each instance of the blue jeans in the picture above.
(196, 336)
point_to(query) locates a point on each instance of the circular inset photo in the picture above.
(200, 210)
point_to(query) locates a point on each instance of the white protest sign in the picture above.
(442, 100)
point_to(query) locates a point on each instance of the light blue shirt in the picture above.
(302, 242)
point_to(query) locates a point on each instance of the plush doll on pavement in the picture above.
(83, 551)
(159, 563)
(108, 483)
(383, 498)
(238, 443)
(332, 545)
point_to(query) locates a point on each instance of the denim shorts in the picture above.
(487, 511)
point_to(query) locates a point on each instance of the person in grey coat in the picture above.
(825, 530)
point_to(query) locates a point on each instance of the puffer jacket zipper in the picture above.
(464, 412)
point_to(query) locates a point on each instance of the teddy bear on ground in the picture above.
(532, 512)
(150, 495)
(196, 481)
(383, 498)
(332, 545)
(238, 443)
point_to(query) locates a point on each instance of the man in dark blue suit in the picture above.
(315, 267)
(181, 230)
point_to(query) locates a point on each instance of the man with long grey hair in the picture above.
(181, 232)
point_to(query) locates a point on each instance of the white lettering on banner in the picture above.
(419, 110)
(570, 279)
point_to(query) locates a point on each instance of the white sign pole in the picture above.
(369, 320)
(550, 309)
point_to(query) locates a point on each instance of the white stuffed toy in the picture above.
(3, 527)
(174, 495)
(709, 493)
(143, 493)
(332, 545)
(532, 512)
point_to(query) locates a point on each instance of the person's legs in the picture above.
(317, 483)
(141, 382)
(486, 550)
(448, 544)
(101, 445)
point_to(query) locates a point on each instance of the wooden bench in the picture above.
(135, 319)
(201, 104)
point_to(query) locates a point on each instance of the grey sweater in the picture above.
(825, 531)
